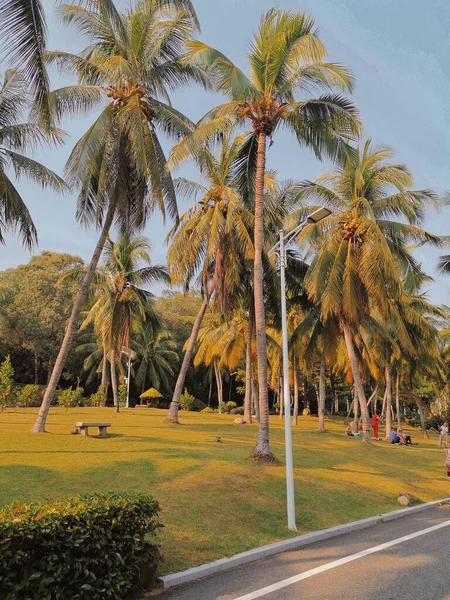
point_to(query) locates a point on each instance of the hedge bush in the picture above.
(29, 395)
(88, 547)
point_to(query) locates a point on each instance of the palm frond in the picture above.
(22, 23)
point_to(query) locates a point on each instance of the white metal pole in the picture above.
(128, 381)
(287, 400)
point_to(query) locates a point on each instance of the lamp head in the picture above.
(318, 215)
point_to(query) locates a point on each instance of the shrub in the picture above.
(78, 397)
(226, 407)
(7, 392)
(198, 405)
(186, 400)
(123, 391)
(70, 398)
(29, 395)
(86, 548)
(99, 397)
(208, 409)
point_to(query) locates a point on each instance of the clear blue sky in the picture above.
(398, 51)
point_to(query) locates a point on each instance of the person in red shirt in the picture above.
(374, 422)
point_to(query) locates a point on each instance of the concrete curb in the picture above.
(224, 564)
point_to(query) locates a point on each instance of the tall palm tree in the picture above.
(131, 64)
(361, 251)
(286, 56)
(156, 359)
(121, 305)
(15, 139)
(212, 239)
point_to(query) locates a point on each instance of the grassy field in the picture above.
(214, 502)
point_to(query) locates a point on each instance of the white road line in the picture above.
(337, 563)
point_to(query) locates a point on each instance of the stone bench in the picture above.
(84, 428)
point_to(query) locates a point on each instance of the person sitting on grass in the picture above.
(354, 430)
(394, 437)
(405, 440)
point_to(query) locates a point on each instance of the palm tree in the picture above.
(316, 341)
(286, 57)
(132, 62)
(156, 359)
(96, 358)
(361, 251)
(212, 239)
(15, 138)
(23, 29)
(121, 306)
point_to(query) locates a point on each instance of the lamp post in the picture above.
(127, 405)
(280, 250)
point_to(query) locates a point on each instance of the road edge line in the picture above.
(225, 564)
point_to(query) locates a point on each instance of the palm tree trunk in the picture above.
(372, 401)
(49, 370)
(210, 387)
(355, 411)
(172, 415)
(248, 372)
(359, 388)
(255, 399)
(218, 381)
(36, 369)
(295, 411)
(397, 400)
(322, 394)
(114, 381)
(72, 325)
(383, 406)
(388, 377)
(104, 367)
(262, 449)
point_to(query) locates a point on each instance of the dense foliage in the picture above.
(86, 547)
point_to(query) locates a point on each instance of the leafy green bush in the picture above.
(78, 396)
(225, 407)
(69, 398)
(84, 548)
(186, 400)
(123, 392)
(99, 397)
(29, 395)
(208, 409)
(7, 391)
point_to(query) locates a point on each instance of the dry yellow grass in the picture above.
(215, 502)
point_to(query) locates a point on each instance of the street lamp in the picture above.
(280, 250)
(127, 405)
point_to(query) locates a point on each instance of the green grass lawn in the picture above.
(214, 502)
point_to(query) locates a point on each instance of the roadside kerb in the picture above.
(225, 564)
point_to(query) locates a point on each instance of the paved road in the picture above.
(406, 559)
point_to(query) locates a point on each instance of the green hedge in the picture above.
(88, 547)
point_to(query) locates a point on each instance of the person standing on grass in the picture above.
(374, 422)
(443, 435)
